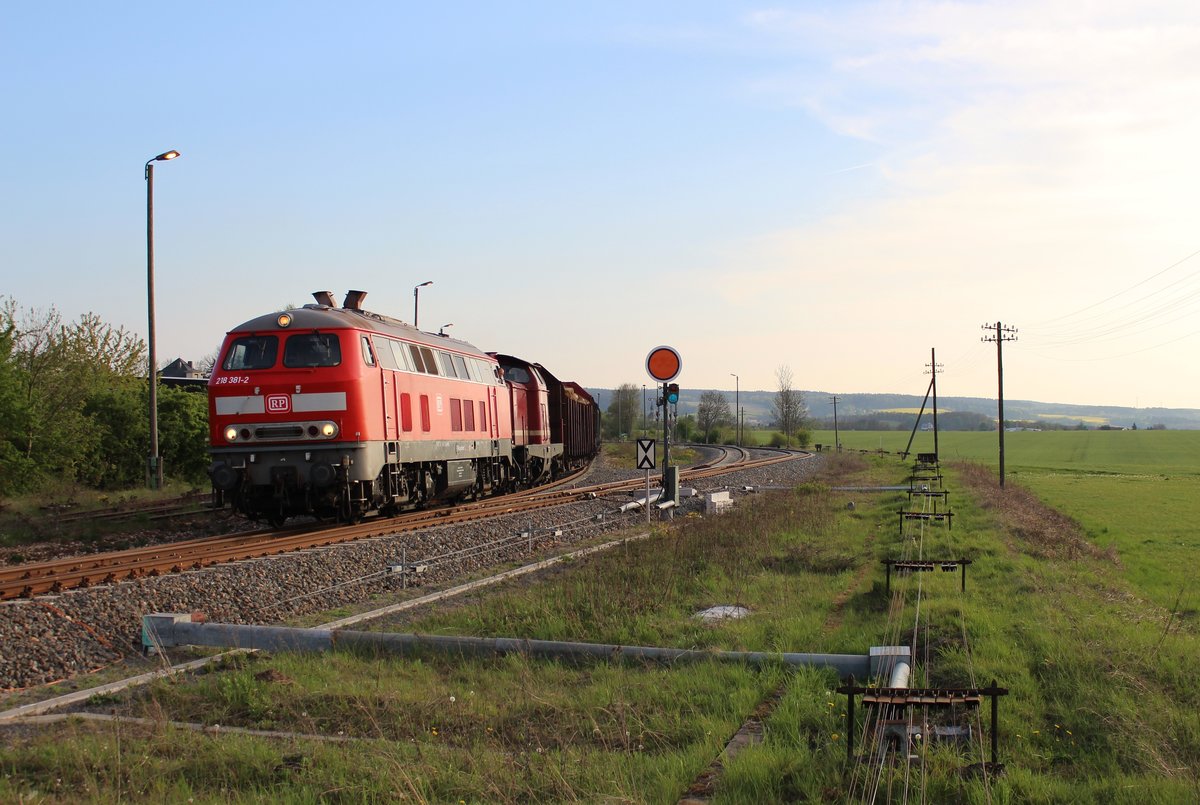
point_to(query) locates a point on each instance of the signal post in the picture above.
(664, 365)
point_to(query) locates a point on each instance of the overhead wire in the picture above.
(1095, 324)
(1124, 291)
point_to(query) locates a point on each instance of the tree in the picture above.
(685, 428)
(207, 363)
(50, 370)
(13, 465)
(624, 409)
(790, 411)
(712, 414)
(183, 433)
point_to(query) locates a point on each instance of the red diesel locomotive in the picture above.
(335, 412)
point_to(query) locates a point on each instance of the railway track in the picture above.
(189, 503)
(25, 581)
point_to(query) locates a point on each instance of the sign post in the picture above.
(664, 365)
(646, 461)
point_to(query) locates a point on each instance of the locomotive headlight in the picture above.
(329, 430)
(284, 319)
(231, 434)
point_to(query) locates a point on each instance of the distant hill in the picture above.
(759, 409)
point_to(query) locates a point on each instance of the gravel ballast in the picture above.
(53, 638)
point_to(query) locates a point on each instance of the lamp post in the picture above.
(737, 407)
(643, 409)
(154, 468)
(417, 299)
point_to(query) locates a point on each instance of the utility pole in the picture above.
(1000, 334)
(934, 368)
(837, 444)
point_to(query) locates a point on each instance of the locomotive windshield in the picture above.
(307, 350)
(251, 352)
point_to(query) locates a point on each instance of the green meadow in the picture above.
(1137, 492)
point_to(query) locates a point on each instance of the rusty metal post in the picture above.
(995, 720)
(850, 724)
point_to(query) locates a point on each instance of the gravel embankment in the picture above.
(57, 637)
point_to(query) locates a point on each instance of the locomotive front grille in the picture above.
(315, 431)
(279, 432)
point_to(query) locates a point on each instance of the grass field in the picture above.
(1135, 491)
(1102, 703)
(1159, 452)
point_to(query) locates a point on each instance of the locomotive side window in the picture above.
(309, 350)
(446, 364)
(387, 359)
(251, 352)
(430, 363)
(415, 353)
(460, 367)
(403, 359)
(368, 353)
(423, 359)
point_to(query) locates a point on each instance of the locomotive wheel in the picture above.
(350, 514)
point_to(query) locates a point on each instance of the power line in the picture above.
(1125, 291)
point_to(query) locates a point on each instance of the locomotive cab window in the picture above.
(251, 352)
(516, 374)
(368, 353)
(310, 350)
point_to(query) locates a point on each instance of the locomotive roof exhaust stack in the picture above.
(354, 300)
(324, 298)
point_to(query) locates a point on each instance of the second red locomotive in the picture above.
(335, 412)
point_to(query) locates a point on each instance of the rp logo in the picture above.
(279, 403)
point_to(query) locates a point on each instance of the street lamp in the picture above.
(737, 406)
(417, 299)
(154, 468)
(643, 409)
(442, 329)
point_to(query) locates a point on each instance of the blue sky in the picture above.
(832, 187)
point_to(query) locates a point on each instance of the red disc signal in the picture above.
(664, 364)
